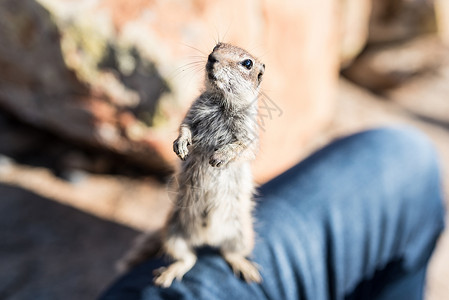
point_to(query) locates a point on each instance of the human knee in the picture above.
(406, 166)
(407, 143)
(414, 161)
(406, 149)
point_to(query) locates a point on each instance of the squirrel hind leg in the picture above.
(242, 266)
(164, 276)
(185, 259)
(237, 249)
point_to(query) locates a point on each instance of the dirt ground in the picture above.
(66, 227)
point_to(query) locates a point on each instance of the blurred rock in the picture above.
(62, 75)
(113, 74)
(387, 66)
(31, 146)
(396, 20)
(426, 96)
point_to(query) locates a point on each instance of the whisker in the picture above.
(187, 72)
(217, 35)
(191, 72)
(195, 70)
(197, 56)
(186, 67)
(193, 63)
(191, 47)
(201, 61)
(227, 30)
(190, 64)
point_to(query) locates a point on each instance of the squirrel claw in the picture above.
(215, 162)
(219, 158)
(180, 147)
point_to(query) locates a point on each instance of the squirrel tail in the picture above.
(145, 246)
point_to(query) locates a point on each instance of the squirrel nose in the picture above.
(212, 59)
(210, 62)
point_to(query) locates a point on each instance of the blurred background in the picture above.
(92, 93)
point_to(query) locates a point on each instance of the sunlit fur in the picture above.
(217, 140)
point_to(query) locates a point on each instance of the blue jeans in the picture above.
(356, 220)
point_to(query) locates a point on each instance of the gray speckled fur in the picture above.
(217, 140)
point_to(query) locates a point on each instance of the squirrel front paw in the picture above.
(180, 147)
(220, 158)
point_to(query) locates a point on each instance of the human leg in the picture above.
(349, 211)
(326, 225)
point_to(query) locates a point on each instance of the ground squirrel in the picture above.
(217, 140)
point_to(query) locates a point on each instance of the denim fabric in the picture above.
(356, 220)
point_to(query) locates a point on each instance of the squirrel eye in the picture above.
(247, 63)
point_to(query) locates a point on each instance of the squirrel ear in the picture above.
(261, 71)
(259, 76)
